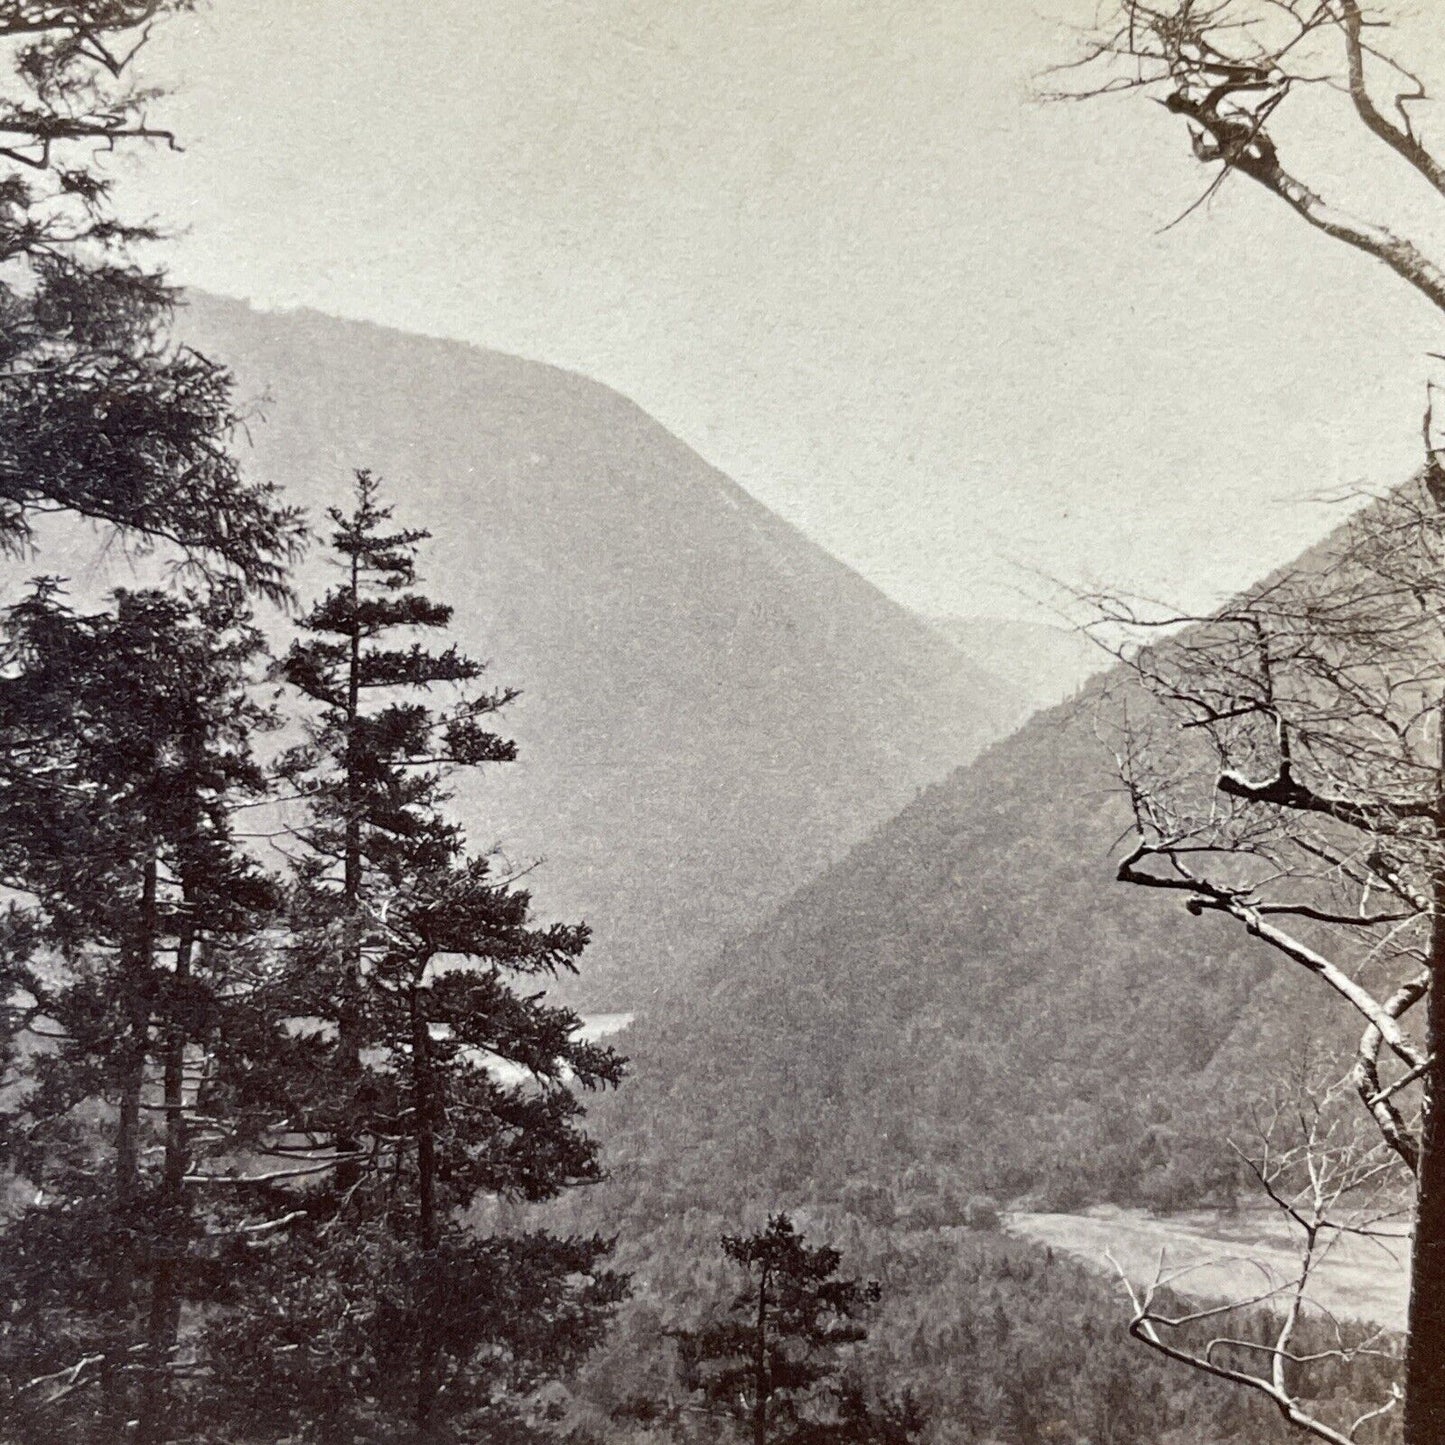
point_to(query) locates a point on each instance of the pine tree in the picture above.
(125, 739)
(447, 1085)
(769, 1359)
(371, 778)
(100, 414)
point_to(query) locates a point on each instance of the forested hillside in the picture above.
(968, 1003)
(967, 1012)
(963, 1009)
(1000, 1342)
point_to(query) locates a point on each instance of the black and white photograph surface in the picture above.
(722, 722)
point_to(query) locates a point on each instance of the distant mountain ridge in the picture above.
(714, 709)
(1046, 663)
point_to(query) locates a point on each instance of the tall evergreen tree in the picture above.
(769, 1360)
(126, 738)
(370, 774)
(100, 415)
(447, 1085)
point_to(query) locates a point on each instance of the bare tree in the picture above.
(1301, 794)
(1282, 1341)
(1232, 68)
(1284, 760)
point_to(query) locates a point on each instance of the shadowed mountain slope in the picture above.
(714, 709)
(969, 1003)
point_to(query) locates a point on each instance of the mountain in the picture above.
(713, 709)
(1045, 663)
(968, 1003)
(966, 1012)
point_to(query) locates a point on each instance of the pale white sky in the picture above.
(835, 247)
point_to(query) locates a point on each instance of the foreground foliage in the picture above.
(249, 1120)
(426, 1081)
(996, 1340)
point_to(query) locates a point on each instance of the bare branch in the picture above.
(1400, 138)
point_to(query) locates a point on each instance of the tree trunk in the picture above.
(137, 981)
(137, 966)
(1425, 1341)
(171, 1244)
(760, 1364)
(430, 1290)
(348, 1023)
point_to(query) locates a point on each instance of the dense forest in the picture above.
(967, 1005)
(1000, 1342)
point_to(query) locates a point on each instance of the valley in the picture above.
(712, 708)
(849, 874)
(575, 870)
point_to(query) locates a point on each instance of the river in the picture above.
(1230, 1256)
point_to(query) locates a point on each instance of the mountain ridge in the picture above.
(969, 1003)
(1047, 663)
(713, 707)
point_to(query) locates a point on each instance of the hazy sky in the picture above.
(838, 249)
